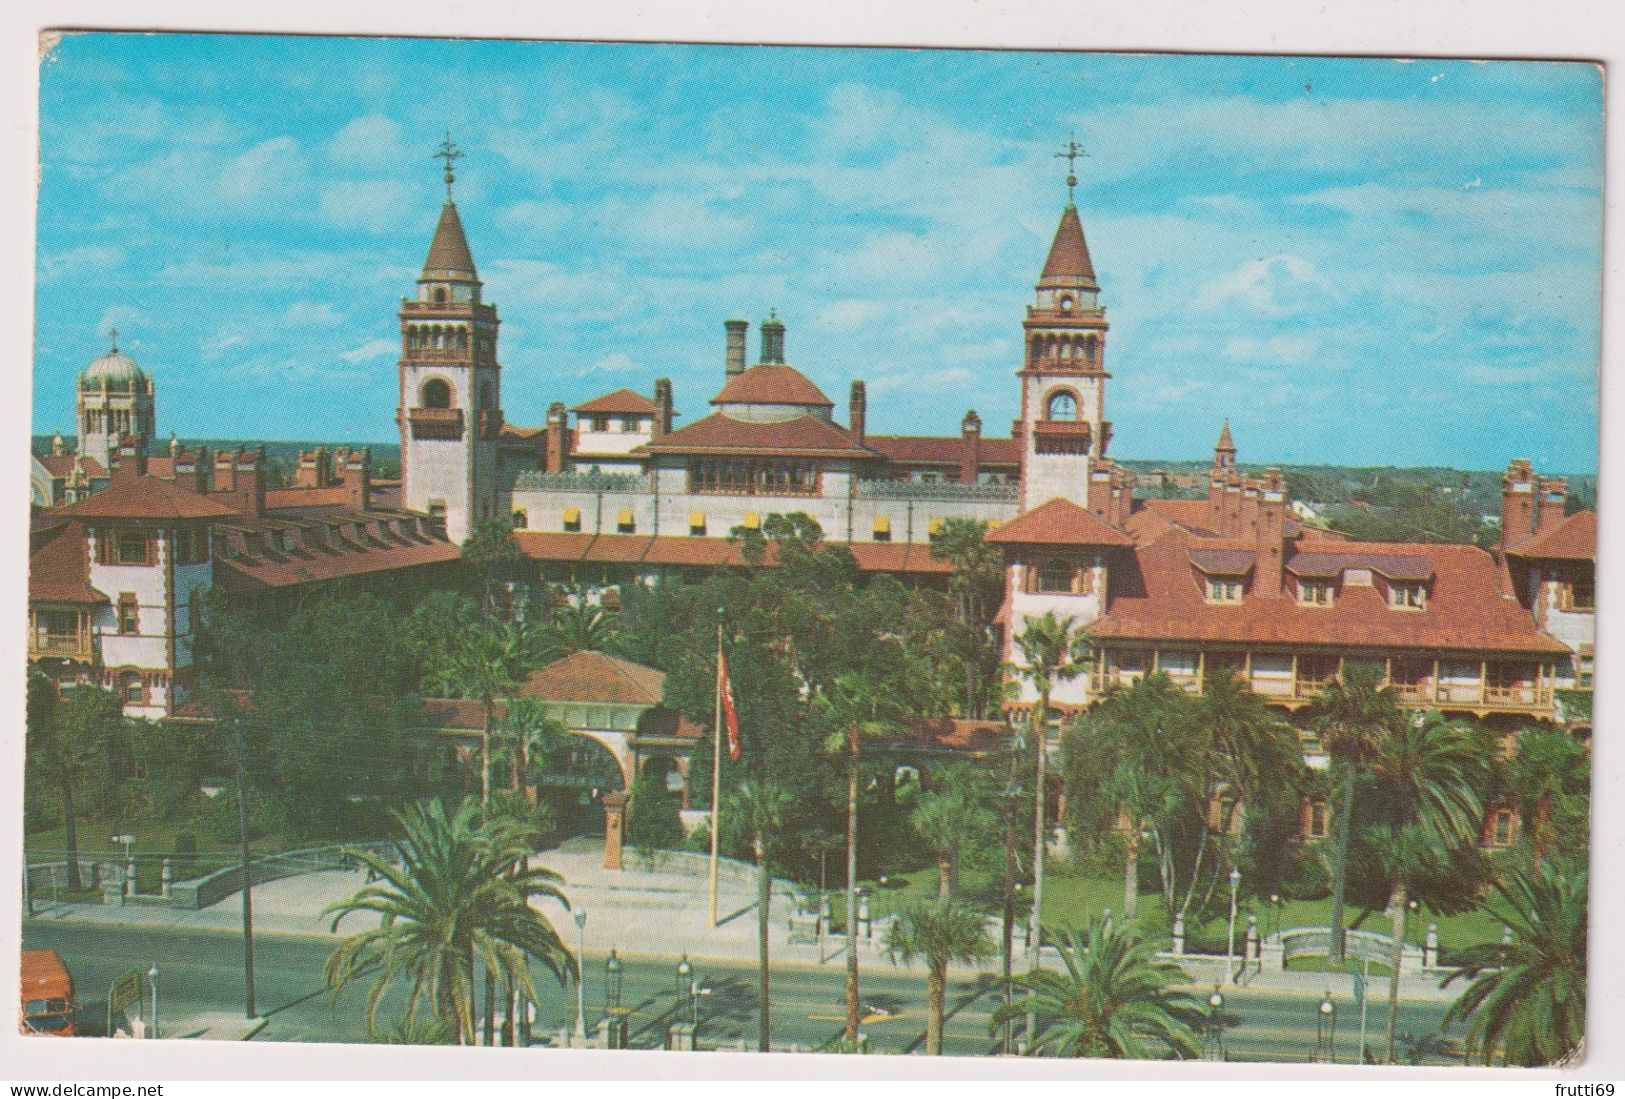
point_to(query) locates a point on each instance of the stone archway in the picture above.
(574, 778)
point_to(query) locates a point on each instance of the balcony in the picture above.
(435, 423)
(62, 646)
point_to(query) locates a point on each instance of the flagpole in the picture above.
(716, 774)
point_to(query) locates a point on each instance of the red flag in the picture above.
(728, 713)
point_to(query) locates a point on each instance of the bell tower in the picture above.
(450, 407)
(1063, 376)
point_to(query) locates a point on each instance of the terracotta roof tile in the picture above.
(623, 402)
(1058, 523)
(942, 449)
(1154, 595)
(1068, 254)
(1222, 562)
(897, 557)
(449, 249)
(145, 497)
(804, 436)
(945, 734)
(596, 677)
(306, 497)
(59, 567)
(1574, 539)
(1331, 563)
(61, 465)
(772, 383)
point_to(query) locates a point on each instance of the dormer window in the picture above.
(1316, 593)
(1055, 575)
(599, 424)
(1224, 589)
(1407, 594)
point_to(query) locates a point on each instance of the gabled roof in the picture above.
(772, 383)
(1222, 562)
(942, 449)
(449, 249)
(59, 567)
(61, 465)
(145, 497)
(804, 436)
(1058, 523)
(1068, 254)
(1329, 564)
(596, 677)
(622, 402)
(1574, 539)
(908, 558)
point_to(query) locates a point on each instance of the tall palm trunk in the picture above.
(1040, 720)
(70, 830)
(1543, 814)
(1131, 873)
(945, 876)
(764, 898)
(852, 1016)
(1009, 922)
(490, 1006)
(1340, 861)
(936, 996)
(1397, 901)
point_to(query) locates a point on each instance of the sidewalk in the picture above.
(658, 914)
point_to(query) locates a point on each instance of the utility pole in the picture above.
(248, 899)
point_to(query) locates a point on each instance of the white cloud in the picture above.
(616, 362)
(530, 216)
(1275, 349)
(215, 346)
(313, 314)
(271, 168)
(79, 260)
(372, 349)
(373, 140)
(1273, 285)
(377, 205)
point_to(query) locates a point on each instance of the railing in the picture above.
(1522, 696)
(63, 645)
(936, 490)
(583, 481)
(1371, 946)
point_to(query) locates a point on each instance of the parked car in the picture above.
(47, 994)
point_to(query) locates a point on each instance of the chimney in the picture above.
(1517, 503)
(773, 339)
(1270, 547)
(1232, 505)
(225, 471)
(970, 448)
(736, 346)
(313, 471)
(251, 481)
(1122, 496)
(192, 470)
(1247, 522)
(355, 474)
(128, 460)
(857, 405)
(174, 451)
(1100, 492)
(1554, 494)
(558, 437)
(663, 412)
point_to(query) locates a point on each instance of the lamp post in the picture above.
(581, 973)
(1275, 913)
(1326, 1030)
(685, 969)
(1230, 939)
(152, 979)
(613, 976)
(1213, 1050)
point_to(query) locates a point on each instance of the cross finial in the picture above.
(112, 335)
(448, 152)
(1071, 154)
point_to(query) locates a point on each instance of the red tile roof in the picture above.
(1574, 539)
(61, 465)
(1222, 562)
(804, 436)
(945, 734)
(512, 431)
(449, 249)
(772, 383)
(1058, 523)
(623, 402)
(1068, 254)
(59, 567)
(145, 497)
(391, 540)
(1155, 596)
(1331, 563)
(596, 677)
(942, 449)
(307, 497)
(896, 557)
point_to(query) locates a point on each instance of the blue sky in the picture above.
(1356, 261)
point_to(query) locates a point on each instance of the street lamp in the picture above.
(1275, 913)
(613, 976)
(1326, 1030)
(1213, 1050)
(581, 973)
(1230, 939)
(152, 979)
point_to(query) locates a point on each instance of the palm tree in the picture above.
(762, 805)
(949, 817)
(524, 733)
(1051, 654)
(1115, 1000)
(1548, 767)
(581, 627)
(1527, 998)
(448, 897)
(490, 550)
(488, 664)
(857, 705)
(1351, 717)
(1429, 776)
(76, 728)
(939, 934)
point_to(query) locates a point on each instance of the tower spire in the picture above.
(448, 152)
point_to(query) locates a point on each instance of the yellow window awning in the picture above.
(623, 517)
(753, 521)
(572, 515)
(696, 520)
(882, 524)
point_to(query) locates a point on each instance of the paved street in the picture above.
(200, 973)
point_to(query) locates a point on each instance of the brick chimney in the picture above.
(1232, 504)
(857, 404)
(354, 472)
(128, 459)
(225, 471)
(663, 409)
(251, 481)
(315, 469)
(970, 448)
(1518, 487)
(1554, 495)
(735, 355)
(1122, 495)
(192, 470)
(558, 437)
(1268, 555)
(1100, 492)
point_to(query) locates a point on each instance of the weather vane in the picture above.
(1071, 154)
(112, 335)
(448, 152)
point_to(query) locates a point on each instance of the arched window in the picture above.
(1055, 575)
(520, 520)
(1062, 406)
(130, 687)
(440, 295)
(435, 394)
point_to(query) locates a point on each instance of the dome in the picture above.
(113, 370)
